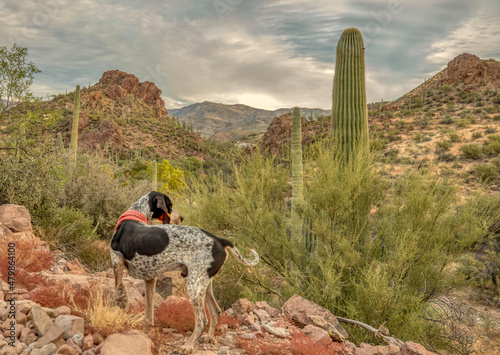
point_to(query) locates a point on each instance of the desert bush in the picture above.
(471, 151)
(380, 250)
(455, 137)
(443, 145)
(486, 172)
(176, 313)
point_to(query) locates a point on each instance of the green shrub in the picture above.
(455, 137)
(486, 172)
(443, 145)
(471, 151)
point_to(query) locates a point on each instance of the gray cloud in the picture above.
(261, 53)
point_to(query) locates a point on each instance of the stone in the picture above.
(299, 309)
(411, 348)
(21, 318)
(262, 315)
(70, 324)
(17, 330)
(98, 338)
(277, 331)
(16, 218)
(131, 342)
(23, 337)
(273, 312)
(256, 327)
(88, 342)
(52, 335)
(323, 324)
(242, 306)
(66, 350)
(78, 339)
(49, 311)
(317, 334)
(48, 349)
(40, 319)
(75, 347)
(89, 352)
(62, 310)
(25, 306)
(248, 320)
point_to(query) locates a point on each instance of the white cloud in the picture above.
(479, 35)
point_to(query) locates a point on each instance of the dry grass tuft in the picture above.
(101, 313)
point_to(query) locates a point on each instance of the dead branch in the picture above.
(386, 338)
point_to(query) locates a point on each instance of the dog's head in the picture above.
(160, 206)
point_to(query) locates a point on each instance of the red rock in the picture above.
(88, 342)
(130, 342)
(52, 335)
(66, 350)
(62, 310)
(243, 306)
(299, 309)
(411, 348)
(318, 335)
(16, 218)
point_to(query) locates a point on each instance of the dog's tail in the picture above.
(240, 257)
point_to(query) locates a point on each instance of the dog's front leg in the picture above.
(150, 292)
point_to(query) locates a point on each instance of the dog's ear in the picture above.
(161, 207)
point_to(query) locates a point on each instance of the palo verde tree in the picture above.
(16, 76)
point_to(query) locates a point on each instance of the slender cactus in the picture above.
(60, 143)
(155, 176)
(349, 110)
(74, 128)
(297, 174)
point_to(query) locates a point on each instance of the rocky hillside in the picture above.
(52, 305)
(229, 122)
(119, 117)
(454, 124)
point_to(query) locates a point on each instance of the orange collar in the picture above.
(132, 215)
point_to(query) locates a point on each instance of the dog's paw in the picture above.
(207, 339)
(186, 349)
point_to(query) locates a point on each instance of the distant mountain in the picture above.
(228, 122)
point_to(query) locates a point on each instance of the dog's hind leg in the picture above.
(197, 284)
(150, 293)
(118, 262)
(214, 311)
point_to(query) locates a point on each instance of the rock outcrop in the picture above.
(118, 85)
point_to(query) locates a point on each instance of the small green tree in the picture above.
(169, 178)
(16, 76)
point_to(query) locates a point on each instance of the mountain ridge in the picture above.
(224, 122)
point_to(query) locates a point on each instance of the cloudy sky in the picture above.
(266, 54)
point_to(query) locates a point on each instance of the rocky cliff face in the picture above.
(472, 71)
(117, 85)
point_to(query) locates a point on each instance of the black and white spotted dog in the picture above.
(147, 251)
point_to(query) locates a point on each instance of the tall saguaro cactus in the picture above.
(297, 174)
(349, 110)
(74, 127)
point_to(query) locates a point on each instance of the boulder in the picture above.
(71, 325)
(40, 319)
(66, 350)
(243, 306)
(411, 348)
(299, 309)
(131, 342)
(53, 334)
(48, 349)
(16, 218)
(317, 335)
